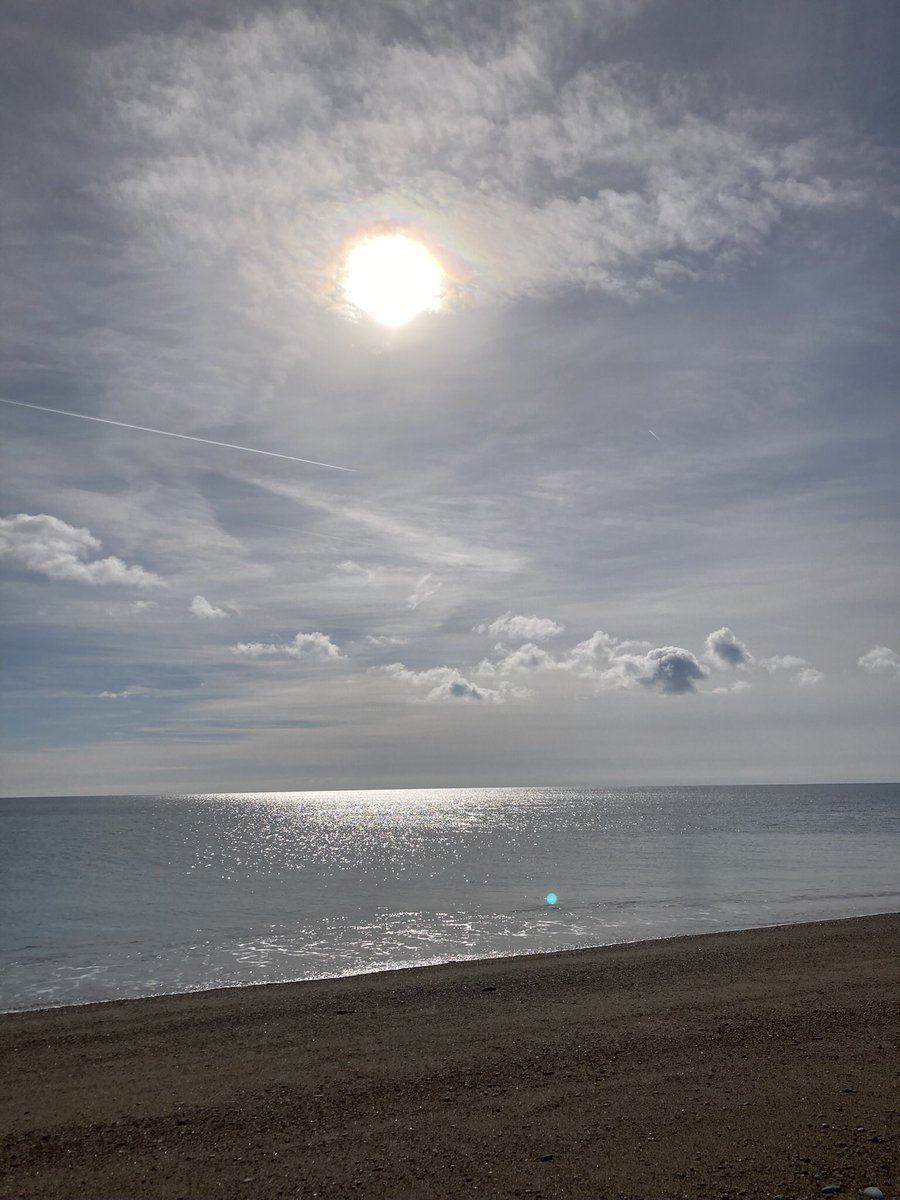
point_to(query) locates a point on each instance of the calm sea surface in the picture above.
(114, 896)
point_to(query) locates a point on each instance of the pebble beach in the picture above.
(761, 1063)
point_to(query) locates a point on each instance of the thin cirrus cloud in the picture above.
(127, 693)
(51, 547)
(303, 645)
(503, 139)
(426, 587)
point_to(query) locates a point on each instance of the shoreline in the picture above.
(452, 787)
(450, 962)
(755, 1062)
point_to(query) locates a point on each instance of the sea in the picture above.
(108, 897)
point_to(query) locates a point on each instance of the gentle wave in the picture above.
(107, 898)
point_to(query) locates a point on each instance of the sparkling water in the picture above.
(103, 897)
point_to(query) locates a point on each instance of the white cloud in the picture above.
(724, 650)
(524, 658)
(520, 628)
(803, 674)
(809, 677)
(449, 684)
(304, 645)
(612, 663)
(609, 663)
(50, 547)
(385, 639)
(782, 662)
(734, 689)
(136, 690)
(201, 607)
(881, 660)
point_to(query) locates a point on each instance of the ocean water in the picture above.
(118, 896)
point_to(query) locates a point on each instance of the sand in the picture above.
(761, 1063)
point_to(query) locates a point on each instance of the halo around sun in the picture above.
(392, 278)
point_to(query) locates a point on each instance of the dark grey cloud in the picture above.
(672, 671)
(723, 649)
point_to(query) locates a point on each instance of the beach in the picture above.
(759, 1063)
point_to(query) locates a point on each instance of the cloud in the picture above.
(355, 570)
(287, 129)
(423, 589)
(524, 658)
(521, 628)
(724, 650)
(304, 645)
(782, 662)
(385, 639)
(804, 674)
(734, 689)
(809, 677)
(671, 670)
(50, 547)
(586, 657)
(449, 684)
(881, 660)
(201, 607)
(614, 663)
(136, 690)
(610, 663)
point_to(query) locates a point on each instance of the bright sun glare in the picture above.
(392, 278)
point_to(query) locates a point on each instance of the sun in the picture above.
(392, 278)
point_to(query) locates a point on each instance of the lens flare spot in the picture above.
(552, 898)
(392, 278)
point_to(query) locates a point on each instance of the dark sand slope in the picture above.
(750, 1064)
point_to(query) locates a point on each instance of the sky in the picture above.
(622, 508)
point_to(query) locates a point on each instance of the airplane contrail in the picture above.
(656, 435)
(187, 437)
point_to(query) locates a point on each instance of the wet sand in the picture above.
(762, 1063)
